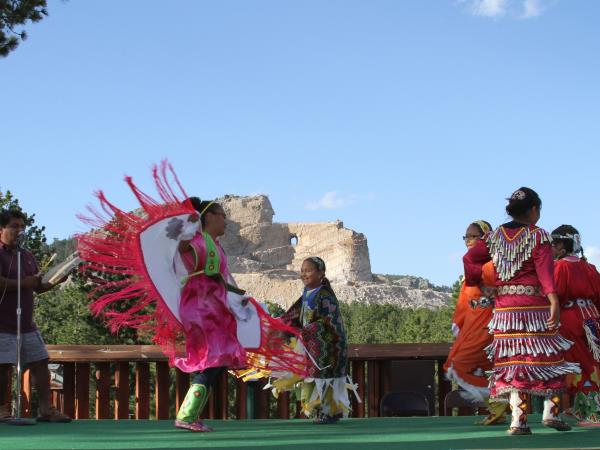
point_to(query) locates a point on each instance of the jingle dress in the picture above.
(578, 288)
(528, 357)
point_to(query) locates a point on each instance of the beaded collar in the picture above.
(509, 253)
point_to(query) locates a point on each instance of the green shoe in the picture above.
(193, 403)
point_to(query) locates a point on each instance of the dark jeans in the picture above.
(208, 376)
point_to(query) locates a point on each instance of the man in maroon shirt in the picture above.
(33, 350)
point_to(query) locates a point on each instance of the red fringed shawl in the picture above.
(126, 294)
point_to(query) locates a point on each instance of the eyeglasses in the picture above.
(471, 237)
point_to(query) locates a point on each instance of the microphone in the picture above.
(21, 239)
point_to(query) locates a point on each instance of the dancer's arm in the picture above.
(473, 261)
(188, 232)
(544, 268)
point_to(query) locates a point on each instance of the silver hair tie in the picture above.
(518, 195)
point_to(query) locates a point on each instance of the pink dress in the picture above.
(209, 326)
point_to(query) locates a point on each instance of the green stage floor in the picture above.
(365, 434)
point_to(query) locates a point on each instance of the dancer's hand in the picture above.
(554, 319)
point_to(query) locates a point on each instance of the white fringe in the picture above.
(592, 339)
(530, 321)
(535, 373)
(455, 330)
(339, 386)
(530, 345)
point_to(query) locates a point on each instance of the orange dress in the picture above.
(468, 361)
(460, 311)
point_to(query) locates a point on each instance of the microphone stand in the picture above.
(18, 420)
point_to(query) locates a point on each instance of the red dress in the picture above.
(578, 287)
(527, 356)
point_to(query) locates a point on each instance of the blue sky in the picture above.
(405, 119)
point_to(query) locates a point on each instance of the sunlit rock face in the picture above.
(265, 258)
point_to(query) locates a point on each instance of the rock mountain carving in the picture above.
(265, 258)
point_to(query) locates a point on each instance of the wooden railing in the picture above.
(135, 381)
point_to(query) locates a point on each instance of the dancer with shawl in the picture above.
(324, 392)
(163, 271)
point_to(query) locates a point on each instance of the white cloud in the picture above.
(335, 200)
(521, 9)
(532, 8)
(593, 255)
(488, 8)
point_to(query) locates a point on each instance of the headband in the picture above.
(206, 207)
(318, 262)
(484, 226)
(575, 237)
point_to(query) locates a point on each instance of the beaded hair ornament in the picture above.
(575, 237)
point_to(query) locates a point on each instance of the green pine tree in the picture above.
(14, 14)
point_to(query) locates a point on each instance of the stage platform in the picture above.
(365, 434)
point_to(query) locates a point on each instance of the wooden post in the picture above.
(241, 397)
(223, 392)
(82, 391)
(26, 394)
(122, 390)
(444, 387)
(283, 405)
(385, 374)
(163, 380)
(182, 384)
(142, 390)
(373, 388)
(69, 389)
(7, 387)
(358, 376)
(102, 390)
(262, 400)
(298, 414)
